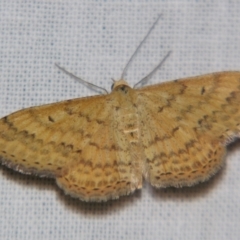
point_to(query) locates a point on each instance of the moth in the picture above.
(101, 147)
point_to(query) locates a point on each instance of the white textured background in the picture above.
(94, 39)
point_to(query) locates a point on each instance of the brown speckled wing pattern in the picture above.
(99, 148)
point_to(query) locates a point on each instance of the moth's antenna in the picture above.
(146, 78)
(139, 46)
(88, 84)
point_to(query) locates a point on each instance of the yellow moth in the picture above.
(101, 147)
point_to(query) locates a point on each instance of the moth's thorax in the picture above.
(125, 115)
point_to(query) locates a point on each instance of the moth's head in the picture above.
(118, 83)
